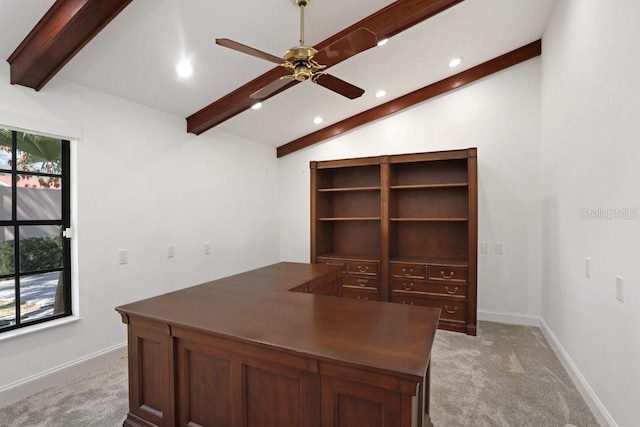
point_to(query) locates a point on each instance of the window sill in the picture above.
(37, 328)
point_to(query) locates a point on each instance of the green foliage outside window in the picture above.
(37, 254)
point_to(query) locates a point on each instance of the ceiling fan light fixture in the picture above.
(317, 120)
(301, 63)
(256, 106)
(383, 42)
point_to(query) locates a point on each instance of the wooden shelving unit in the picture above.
(404, 227)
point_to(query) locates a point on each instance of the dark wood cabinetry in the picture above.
(411, 220)
(267, 348)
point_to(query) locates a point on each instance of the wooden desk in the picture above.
(244, 351)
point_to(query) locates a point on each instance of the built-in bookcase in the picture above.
(404, 227)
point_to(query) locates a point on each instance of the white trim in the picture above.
(597, 408)
(27, 330)
(40, 126)
(509, 318)
(24, 388)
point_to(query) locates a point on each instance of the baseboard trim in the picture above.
(597, 408)
(24, 388)
(509, 318)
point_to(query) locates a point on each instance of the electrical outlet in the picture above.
(207, 248)
(484, 247)
(620, 288)
(499, 248)
(123, 256)
(171, 252)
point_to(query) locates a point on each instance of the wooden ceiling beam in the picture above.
(471, 75)
(387, 22)
(65, 29)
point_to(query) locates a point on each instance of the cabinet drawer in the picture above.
(429, 287)
(450, 309)
(362, 267)
(349, 266)
(366, 282)
(361, 294)
(408, 270)
(333, 261)
(448, 273)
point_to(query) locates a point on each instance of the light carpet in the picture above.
(506, 376)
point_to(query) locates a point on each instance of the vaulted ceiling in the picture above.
(134, 48)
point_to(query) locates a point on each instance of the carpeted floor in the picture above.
(96, 399)
(506, 376)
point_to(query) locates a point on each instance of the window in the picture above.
(35, 257)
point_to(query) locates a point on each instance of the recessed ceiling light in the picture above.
(381, 93)
(184, 68)
(318, 120)
(383, 42)
(455, 62)
(256, 106)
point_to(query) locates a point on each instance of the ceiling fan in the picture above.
(306, 63)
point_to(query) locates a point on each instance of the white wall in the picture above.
(142, 183)
(591, 157)
(501, 116)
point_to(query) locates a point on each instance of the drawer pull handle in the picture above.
(444, 276)
(408, 286)
(410, 302)
(446, 307)
(362, 269)
(363, 299)
(451, 292)
(363, 282)
(408, 272)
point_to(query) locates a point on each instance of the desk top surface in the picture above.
(256, 307)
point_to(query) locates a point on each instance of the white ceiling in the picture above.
(135, 56)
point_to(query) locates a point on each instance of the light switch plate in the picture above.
(171, 252)
(587, 267)
(484, 247)
(499, 248)
(123, 256)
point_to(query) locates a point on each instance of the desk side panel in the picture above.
(150, 379)
(223, 382)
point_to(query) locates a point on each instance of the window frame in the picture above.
(64, 223)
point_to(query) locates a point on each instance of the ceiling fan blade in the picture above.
(348, 46)
(271, 89)
(339, 86)
(248, 50)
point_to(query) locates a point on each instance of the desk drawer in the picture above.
(451, 309)
(408, 270)
(361, 294)
(438, 288)
(448, 273)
